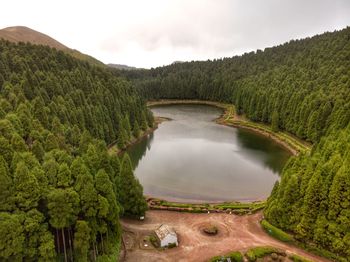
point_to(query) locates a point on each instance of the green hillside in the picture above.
(59, 188)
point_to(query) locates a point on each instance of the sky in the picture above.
(151, 33)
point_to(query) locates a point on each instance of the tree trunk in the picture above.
(70, 243)
(94, 247)
(103, 249)
(97, 249)
(64, 245)
(58, 241)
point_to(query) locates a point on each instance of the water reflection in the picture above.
(193, 158)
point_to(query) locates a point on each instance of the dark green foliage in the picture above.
(136, 130)
(6, 186)
(130, 190)
(276, 232)
(297, 258)
(81, 241)
(312, 199)
(58, 185)
(12, 237)
(235, 256)
(259, 252)
(275, 122)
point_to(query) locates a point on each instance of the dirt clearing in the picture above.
(234, 233)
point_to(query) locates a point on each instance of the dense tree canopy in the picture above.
(302, 87)
(58, 184)
(60, 191)
(302, 84)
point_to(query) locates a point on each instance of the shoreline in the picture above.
(113, 149)
(235, 207)
(228, 118)
(283, 144)
(231, 119)
(198, 201)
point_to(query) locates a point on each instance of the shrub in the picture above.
(276, 232)
(153, 239)
(171, 245)
(297, 258)
(235, 256)
(217, 259)
(259, 252)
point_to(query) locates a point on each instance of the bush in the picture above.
(172, 245)
(153, 239)
(283, 236)
(217, 259)
(235, 256)
(297, 258)
(276, 232)
(322, 252)
(259, 252)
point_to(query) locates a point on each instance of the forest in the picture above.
(61, 193)
(301, 87)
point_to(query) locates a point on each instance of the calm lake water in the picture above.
(191, 158)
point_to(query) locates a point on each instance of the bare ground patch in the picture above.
(235, 233)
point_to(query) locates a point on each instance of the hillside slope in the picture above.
(24, 34)
(59, 188)
(123, 67)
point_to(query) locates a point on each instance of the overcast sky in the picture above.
(150, 33)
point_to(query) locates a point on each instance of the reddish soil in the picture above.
(235, 233)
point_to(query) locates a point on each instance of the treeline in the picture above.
(302, 87)
(313, 198)
(304, 83)
(61, 193)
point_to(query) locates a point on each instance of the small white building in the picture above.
(166, 236)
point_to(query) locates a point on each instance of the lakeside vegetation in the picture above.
(113, 148)
(276, 232)
(226, 207)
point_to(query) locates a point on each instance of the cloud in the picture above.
(158, 32)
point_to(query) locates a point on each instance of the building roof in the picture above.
(163, 231)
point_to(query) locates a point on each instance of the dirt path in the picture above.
(235, 233)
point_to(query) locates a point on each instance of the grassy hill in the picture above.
(24, 34)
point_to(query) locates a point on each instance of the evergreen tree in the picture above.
(131, 193)
(12, 237)
(275, 122)
(26, 188)
(81, 241)
(5, 186)
(136, 130)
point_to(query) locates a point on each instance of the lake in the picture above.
(193, 159)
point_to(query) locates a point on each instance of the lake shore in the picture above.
(230, 118)
(113, 148)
